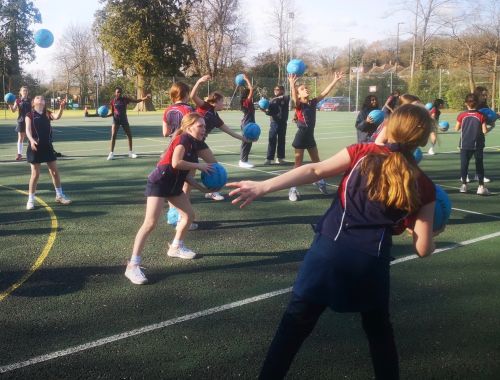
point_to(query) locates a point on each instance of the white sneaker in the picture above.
(63, 199)
(181, 252)
(245, 164)
(485, 180)
(481, 190)
(214, 196)
(132, 155)
(321, 184)
(30, 205)
(293, 194)
(280, 161)
(268, 162)
(193, 226)
(111, 156)
(431, 151)
(135, 275)
(467, 179)
(463, 188)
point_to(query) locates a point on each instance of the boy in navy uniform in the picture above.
(278, 112)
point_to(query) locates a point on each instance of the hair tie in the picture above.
(398, 147)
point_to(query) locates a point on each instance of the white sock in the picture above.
(20, 148)
(31, 197)
(59, 191)
(135, 260)
(177, 243)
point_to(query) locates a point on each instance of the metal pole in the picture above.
(291, 16)
(440, 82)
(397, 50)
(357, 87)
(349, 75)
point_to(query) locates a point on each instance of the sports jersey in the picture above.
(173, 115)
(364, 225)
(212, 118)
(119, 106)
(471, 132)
(23, 107)
(41, 130)
(278, 109)
(305, 114)
(248, 112)
(435, 113)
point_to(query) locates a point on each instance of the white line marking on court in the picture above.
(199, 314)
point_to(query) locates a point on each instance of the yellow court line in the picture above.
(45, 252)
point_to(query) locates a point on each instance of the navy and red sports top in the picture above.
(174, 113)
(471, 132)
(119, 106)
(248, 112)
(23, 107)
(305, 114)
(363, 225)
(41, 130)
(212, 118)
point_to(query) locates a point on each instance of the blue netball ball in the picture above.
(264, 103)
(429, 106)
(377, 116)
(44, 38)
(490, 115)
(172, 216)
(215, 179)
(239, 80)
(444, 126)
(251, 131)
(418, 155)
(103, 111)
(442, 210)
(296, 66)
(9, 97)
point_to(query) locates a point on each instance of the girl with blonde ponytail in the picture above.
(347, 266)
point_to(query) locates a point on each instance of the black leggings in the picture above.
(465, 156)
(299, 320)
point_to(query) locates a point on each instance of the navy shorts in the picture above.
(163, 185)
(44, 153)
(304, 139)
(21, 127)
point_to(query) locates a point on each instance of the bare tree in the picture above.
(280, 31)
(216, 34)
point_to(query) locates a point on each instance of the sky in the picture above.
(324, 23)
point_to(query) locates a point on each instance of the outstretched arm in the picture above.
(247, 191)
(250, 87)
(231, 133)
(194, 91)
(59, 113)
(337, 77)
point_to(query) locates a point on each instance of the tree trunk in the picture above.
(146, 105)
(470, 60)
(495, 76)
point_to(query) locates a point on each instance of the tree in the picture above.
(16, 17)
(145, 38)
(216, 34)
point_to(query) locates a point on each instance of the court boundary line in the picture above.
(54, 225)
(203, 313)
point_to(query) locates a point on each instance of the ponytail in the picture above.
(391, 179)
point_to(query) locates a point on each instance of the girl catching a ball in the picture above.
(305, 117)
(208, 109)
(246, 102)
(23, 106)
(39, 133)
(165, 183)
(382, 192)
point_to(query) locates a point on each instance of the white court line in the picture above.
(199, 314)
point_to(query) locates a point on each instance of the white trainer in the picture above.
(245, 164)
(111, 156)
(481, 190)
(181, 252)
(193, 226)
(293, 194)
(463, 188)
(280, 161)
(268, 162)
(216, 196)
(431, 151)
(30, 205)
(135, 275)
(63, 199)
(485, 180)
(132, 155)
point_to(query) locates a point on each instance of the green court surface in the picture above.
(74, 315)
